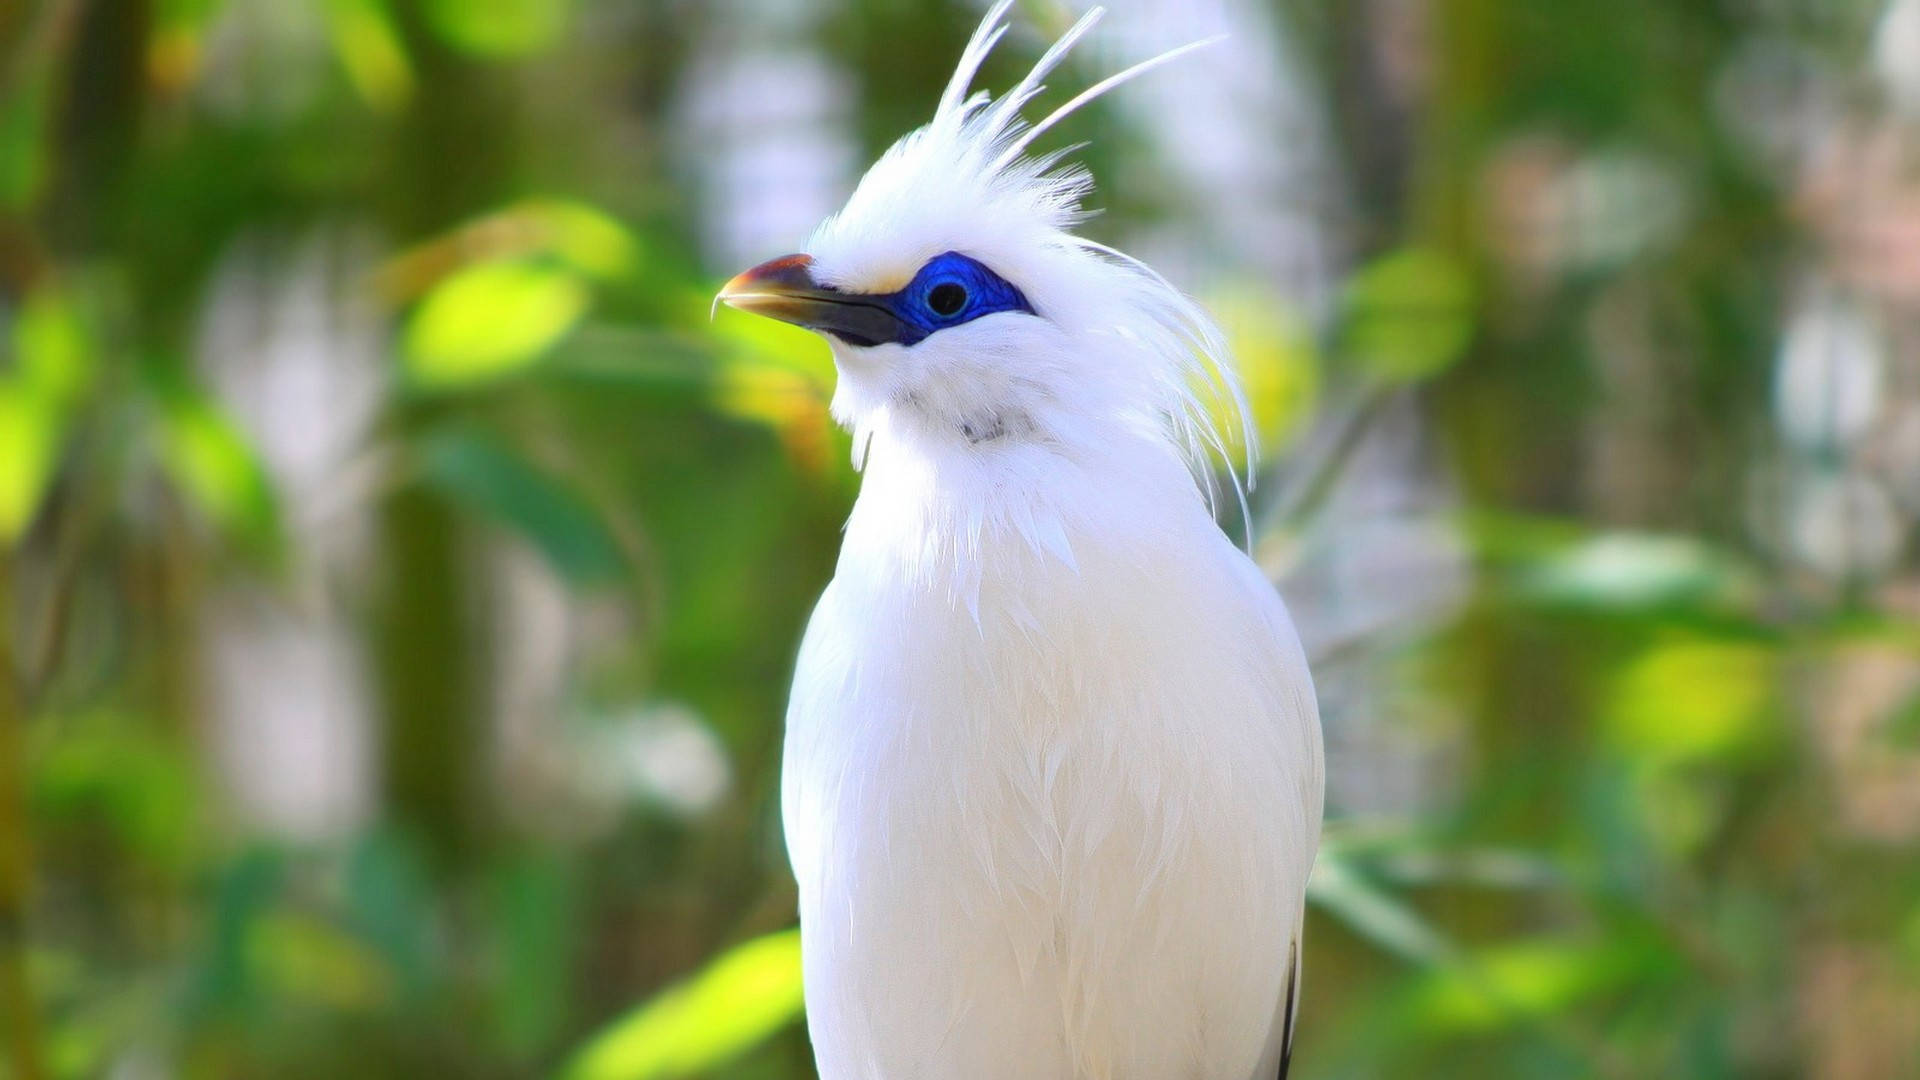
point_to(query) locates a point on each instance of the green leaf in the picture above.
(52, 347)
(247, 887)
(1688, 699)
(735, 1003)
(304, 958)
(498, 28)
(532, 906)
(1409, 315)
(1633, 572)
(53, 364)
(1279, 370)
(390, 901)
(496, 483)
(1518, 982)
(371, 52)
(1369, 911)
(110, 773)
(1457, 991)
(584, 236)
(209, 459)
(489, 320)
(31, 427)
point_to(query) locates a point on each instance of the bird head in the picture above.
(961, 306)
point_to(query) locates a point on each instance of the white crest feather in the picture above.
(1023, 92)
(1019, 145)
(985, 37)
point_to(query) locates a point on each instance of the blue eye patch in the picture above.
(949, 290)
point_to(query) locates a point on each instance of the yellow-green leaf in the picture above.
(52, 348)
(489, 320)
(760, 342)
(308, 959)
(1518, 982)
(738, 1001)
(30, 431)
(52, 366)
(1687, 700)
(498, 28)
(584, 236)
(1274, 354)
(213, 463)
(780, 376)
(371, 52)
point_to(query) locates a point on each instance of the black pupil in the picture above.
(947, 298)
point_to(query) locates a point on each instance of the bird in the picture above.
(1052, 777)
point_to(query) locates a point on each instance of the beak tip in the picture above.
(763, 289)
(732, 297)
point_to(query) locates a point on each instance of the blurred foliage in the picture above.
(1410, 314)
(741, 998)
(400, 574)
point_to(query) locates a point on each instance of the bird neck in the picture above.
(942, 507)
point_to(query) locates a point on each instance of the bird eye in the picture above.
(947, 298)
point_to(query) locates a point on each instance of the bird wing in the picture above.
(1278, 1058)
(1290, 1012)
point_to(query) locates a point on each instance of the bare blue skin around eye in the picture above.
(987, 293)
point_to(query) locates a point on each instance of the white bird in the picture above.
(1053, 771)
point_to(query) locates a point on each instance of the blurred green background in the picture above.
(400, 574)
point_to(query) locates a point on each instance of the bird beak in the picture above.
(784, 289)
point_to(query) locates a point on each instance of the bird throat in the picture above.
(986, 429)
(983, 427)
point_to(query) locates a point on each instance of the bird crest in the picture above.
(970, 180)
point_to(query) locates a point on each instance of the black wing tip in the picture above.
(1293, 989)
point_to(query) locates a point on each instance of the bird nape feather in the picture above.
(1053, 773)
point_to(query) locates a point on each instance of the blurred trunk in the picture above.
(1455, 123)
(100, 108)
(17, 1009)
(434, 735)
(452, 159)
